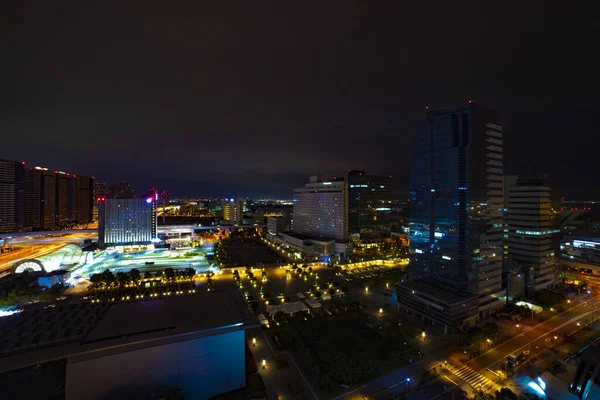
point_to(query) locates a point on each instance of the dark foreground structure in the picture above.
(128, 350)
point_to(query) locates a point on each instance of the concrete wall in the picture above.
(202, 368)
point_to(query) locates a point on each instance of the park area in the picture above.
(345, 349)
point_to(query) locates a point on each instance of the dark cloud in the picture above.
(249, 98)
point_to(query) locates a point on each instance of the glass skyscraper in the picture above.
(456, 226)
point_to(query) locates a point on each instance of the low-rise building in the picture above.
(309, 246)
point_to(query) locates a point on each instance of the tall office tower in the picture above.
(369, 203)
(456, 222)
(12, 177)
(123, 222)
(62, 198)
(233, 211)
(81, 198)
(321, 209)
(533, 231)
(121, 191)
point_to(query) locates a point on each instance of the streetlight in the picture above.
(264, 364)
(423, 335)
(380, 311)
(253, 342)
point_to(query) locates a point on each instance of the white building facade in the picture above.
(321, 209)
(126, 221)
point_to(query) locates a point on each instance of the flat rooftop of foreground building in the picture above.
(437, 291)
(120, 327)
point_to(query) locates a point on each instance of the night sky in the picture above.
(249, 98)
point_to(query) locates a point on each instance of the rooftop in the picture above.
(438, 292)
(120, 327)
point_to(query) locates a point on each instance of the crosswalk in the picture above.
(473, 378)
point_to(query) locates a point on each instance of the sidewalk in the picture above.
(280, 373)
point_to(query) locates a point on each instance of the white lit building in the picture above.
(123, 222)
(321, 209)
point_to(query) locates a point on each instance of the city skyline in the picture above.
(338, 96)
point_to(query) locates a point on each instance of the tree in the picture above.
(236, 273)
(280, 317)
(96, 280)
(345, 289)
(190, 273)
(310, 269)
(490, 328)
(264, 274)
(108, 277)
(148, 275)
(332, 291)
(169, 273)
(505, 394)
(122, 278)
(135, 275)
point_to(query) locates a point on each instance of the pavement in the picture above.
(279, 369)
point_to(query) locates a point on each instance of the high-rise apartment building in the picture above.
(124, 222)
(40, 199)
(233, 211)
(81, 198)
(61, 213)
(369, 202)
(321, 209)
(533, 231)
(12, 180)
(456, 222)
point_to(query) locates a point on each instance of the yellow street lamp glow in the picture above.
(423, 334)
(555, 337)
(264, 363)
(381, 311)
(488, 340)
(367, 289)
(253, 341)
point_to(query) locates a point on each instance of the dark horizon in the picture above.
(212, 100)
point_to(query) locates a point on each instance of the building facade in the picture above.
(276, 225)
(233, 211)
(40, 199)
(123, 222)
(533, 232)
(456, 213)
(369, 203)
(61, 213)
(81, 198)
(321, 209)
(12, 182)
